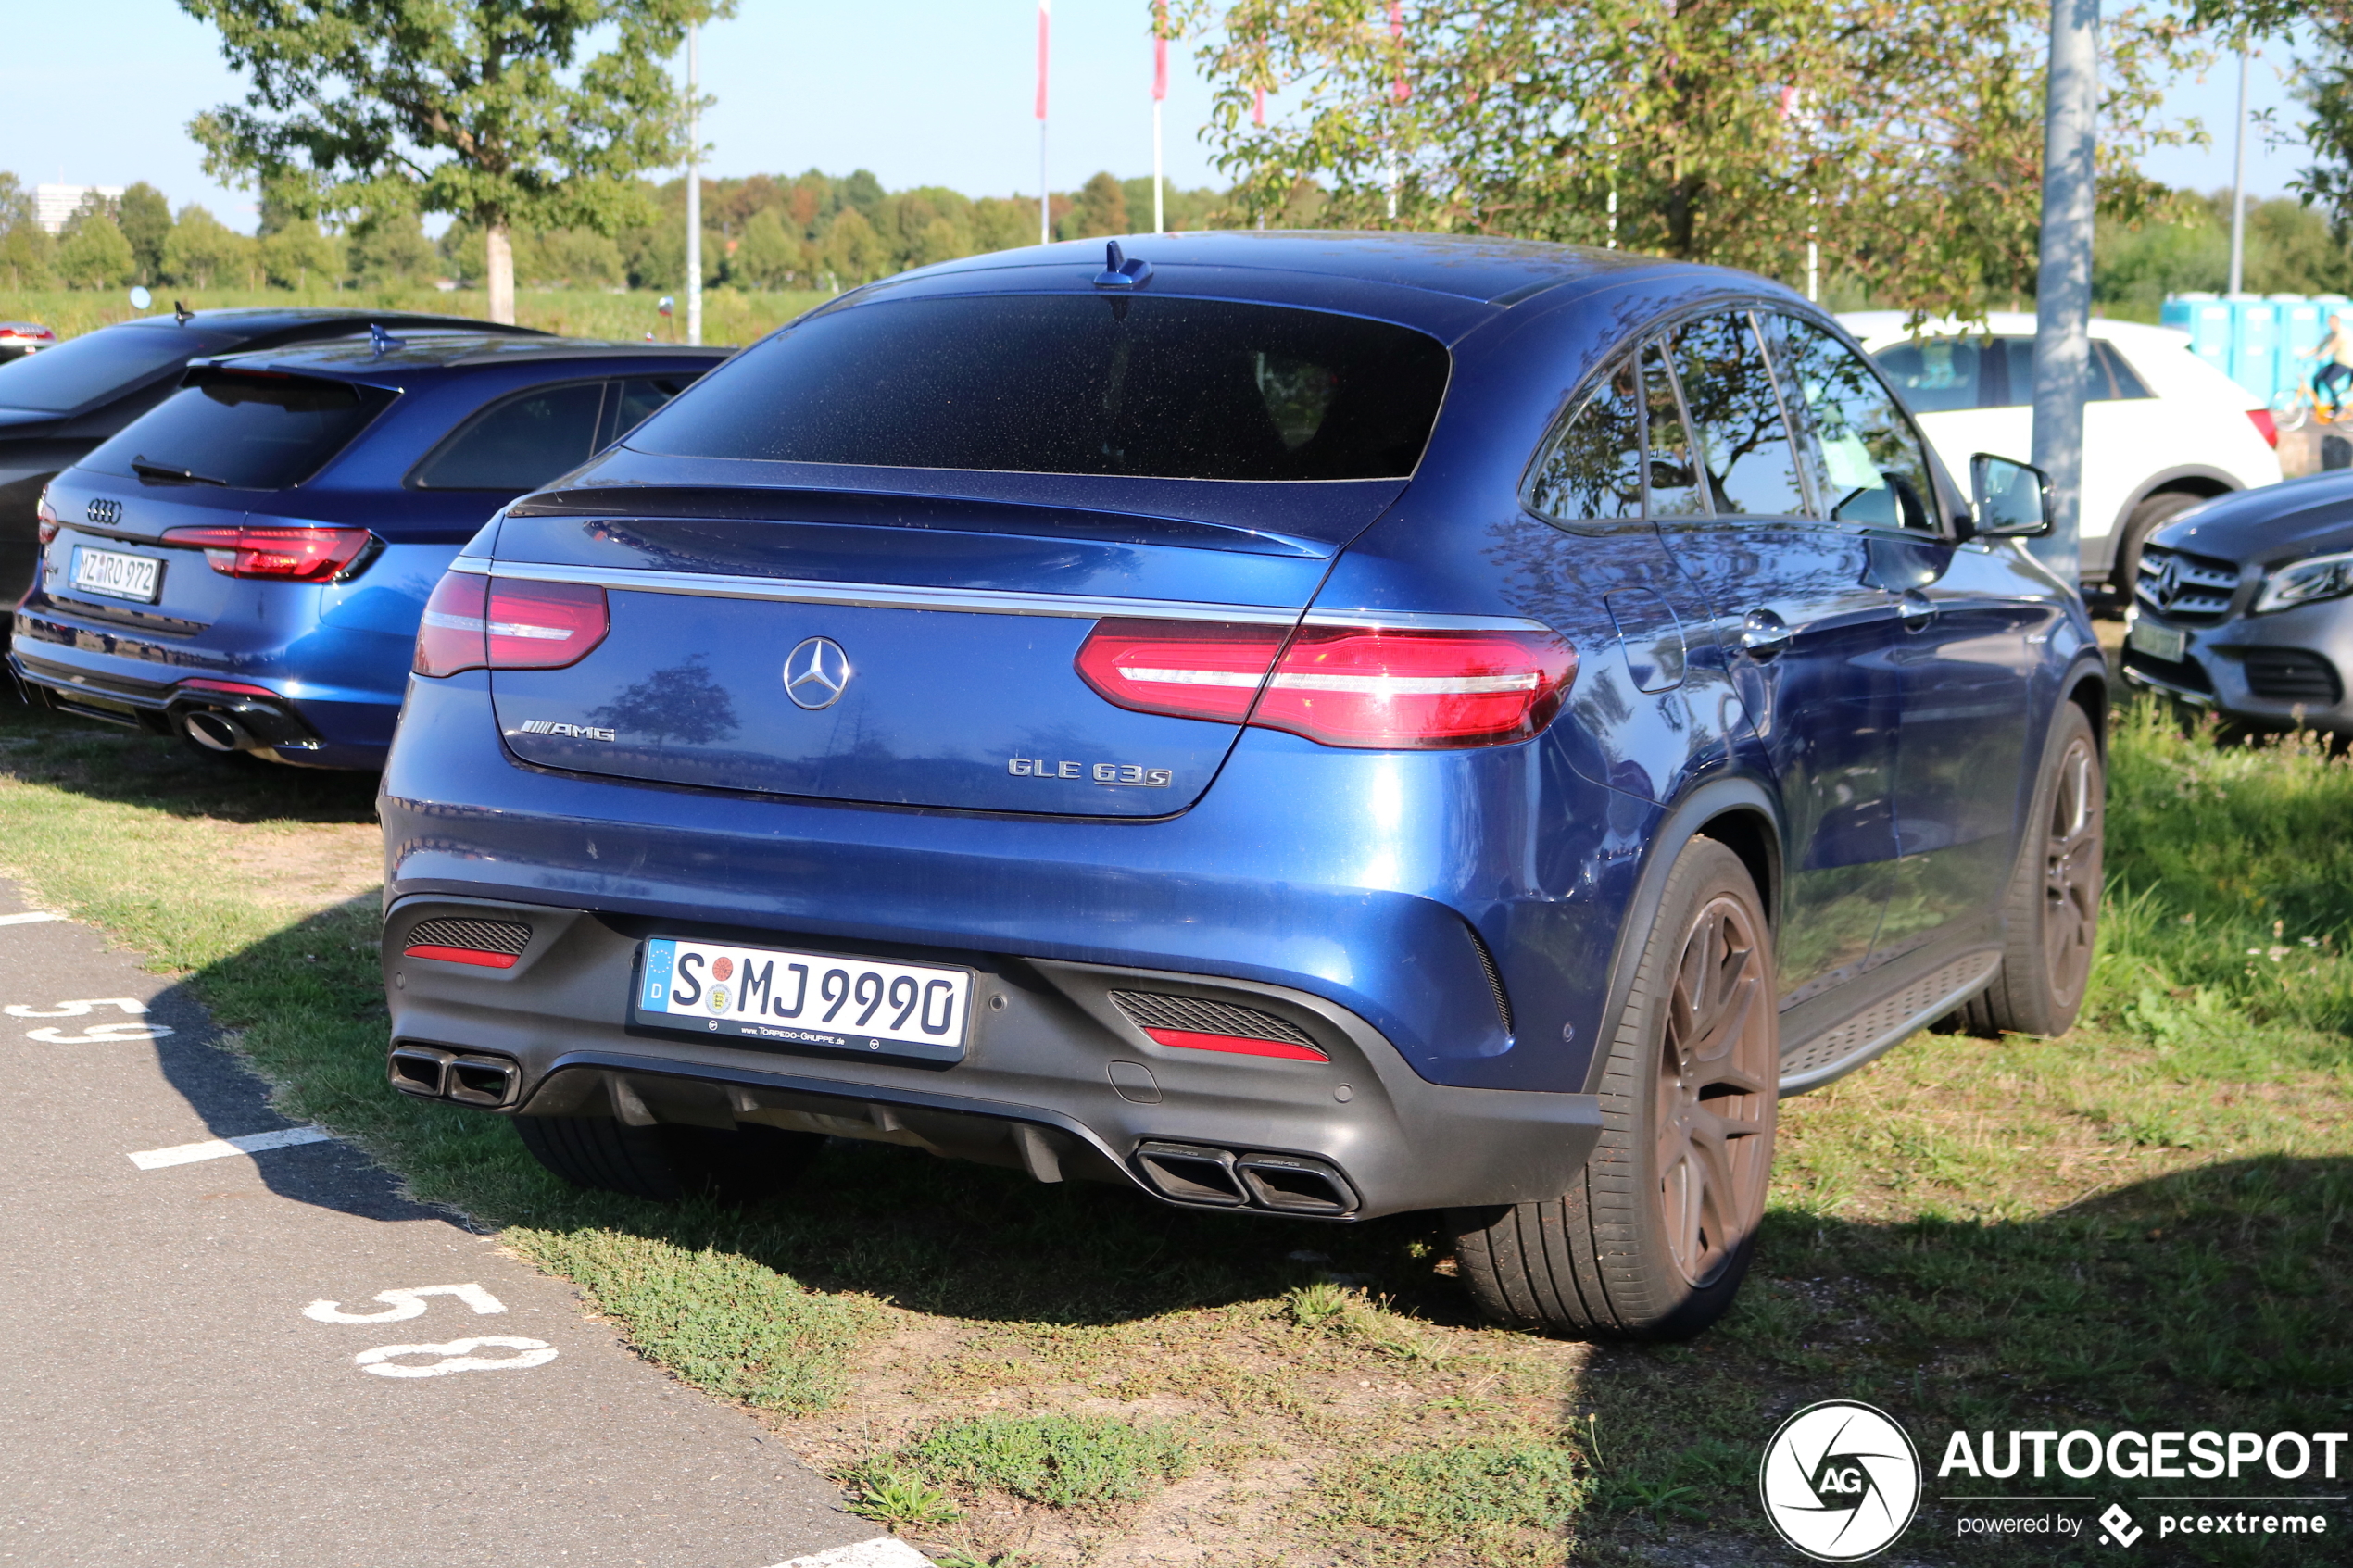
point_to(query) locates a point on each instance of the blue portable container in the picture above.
(2254, 343)
(2207, 320)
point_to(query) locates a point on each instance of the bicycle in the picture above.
(2293, 411)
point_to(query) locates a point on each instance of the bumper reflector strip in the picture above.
(462, 954)
(1187, 1039)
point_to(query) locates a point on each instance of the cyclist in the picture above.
(2337, 350)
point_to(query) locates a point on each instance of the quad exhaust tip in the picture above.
(1205, 1176)
(431, 1072)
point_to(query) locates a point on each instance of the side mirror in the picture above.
(2012, 499)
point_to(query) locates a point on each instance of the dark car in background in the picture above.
(244, 565)
(1297, 726)
(2244, 607)
(61, 402)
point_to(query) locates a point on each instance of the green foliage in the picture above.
(202, 251)
(2290, 249)
(495, 109)
(297, 255)
(1905, 137)
(1484, 1498)
(144, 219)
(92, 253)
(388, 248)
(887, 1491)
(1060, 1460)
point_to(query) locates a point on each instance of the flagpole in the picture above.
(1045, 196)
(694, 190)
(1160, 92)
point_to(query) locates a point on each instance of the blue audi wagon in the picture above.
(1302, 725)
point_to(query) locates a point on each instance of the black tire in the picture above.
(666, 1163)
(1604, 1260)
(2146, 519)
(2051, 918)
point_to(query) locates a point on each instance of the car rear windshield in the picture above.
(84, 369)
(247, 430)
(1163, 388)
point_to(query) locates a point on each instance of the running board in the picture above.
(1878, 1029)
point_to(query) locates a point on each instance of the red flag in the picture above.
(1045, 16)
(1398, 90)
(1258, 106)
(1160, 50)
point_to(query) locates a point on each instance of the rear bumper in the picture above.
(274, 727)
(1055, 1080)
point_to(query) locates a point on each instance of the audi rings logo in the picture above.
(104, 513)
(816, 674)
(1840, 1481)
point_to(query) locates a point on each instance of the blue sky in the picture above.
(922, 92)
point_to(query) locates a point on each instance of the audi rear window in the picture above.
(1148, 387)
(82, 370)
(246, 430)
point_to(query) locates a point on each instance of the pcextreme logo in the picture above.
(1840, 1481)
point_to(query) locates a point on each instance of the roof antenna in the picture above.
(380, 340)
(181, 314)
(1119, 272)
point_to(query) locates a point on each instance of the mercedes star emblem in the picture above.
(816, 674)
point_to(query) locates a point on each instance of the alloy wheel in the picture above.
(2071, 869)
(1716, 1083)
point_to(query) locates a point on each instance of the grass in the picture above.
(730, 316)
(2144, 1224)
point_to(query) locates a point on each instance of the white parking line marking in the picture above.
(406, 1304)
(34, 917)
(100, 1034)
(883, 1551)
(536, 1352)
(221, 1148)
(74, 1010)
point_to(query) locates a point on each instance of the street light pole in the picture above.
(2063, 284)
(693, 187)
(2238, 186)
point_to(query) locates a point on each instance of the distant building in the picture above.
(52, 205)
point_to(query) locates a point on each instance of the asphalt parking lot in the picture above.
(226, 1338)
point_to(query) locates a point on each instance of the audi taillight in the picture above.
(48, 515)
(474, 622)
(1377, 688)
(289, 555)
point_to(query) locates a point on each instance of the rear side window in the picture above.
(1743, 440)
(519, 443)
(1674, 478)
(1937, 375)
(1159, 387)
(1594, 468)
(246, 430)
(634, 399)
(2112, 377)
(82, 370)
(1866, 459)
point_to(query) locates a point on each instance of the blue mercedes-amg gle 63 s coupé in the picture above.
(1317, 725)
(244, 565)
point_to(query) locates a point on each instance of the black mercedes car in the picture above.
(60, 404)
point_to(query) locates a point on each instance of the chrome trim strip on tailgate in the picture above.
(970, 601)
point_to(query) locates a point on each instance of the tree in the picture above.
(388, 247)
(1101, 209)
(296, 254)
(92, 253)
(26, 250)
(484, 110)
(1904, 135)
(202, 251)
(144, 219)
(769, 258)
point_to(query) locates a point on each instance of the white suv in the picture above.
(2163, 431)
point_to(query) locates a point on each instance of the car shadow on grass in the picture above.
(130, 767)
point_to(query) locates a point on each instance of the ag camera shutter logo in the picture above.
(1840, 1481)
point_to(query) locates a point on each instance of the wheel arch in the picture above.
(2087, 687)
(2201, 480)
(1740, 813)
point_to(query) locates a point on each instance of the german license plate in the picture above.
(2158, 642)
(775, 997)
(114, 576)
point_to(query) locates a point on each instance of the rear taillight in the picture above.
(47, 515)
(289, 555)
(474, 622)
(2265, 426)
(1372, 687)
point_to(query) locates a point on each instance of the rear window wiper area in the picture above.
(242, 429)
(164, 474)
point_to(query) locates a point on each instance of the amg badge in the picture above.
(575, 732)
(1119, 775)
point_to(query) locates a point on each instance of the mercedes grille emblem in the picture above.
(816, 674)
(2168, 585)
